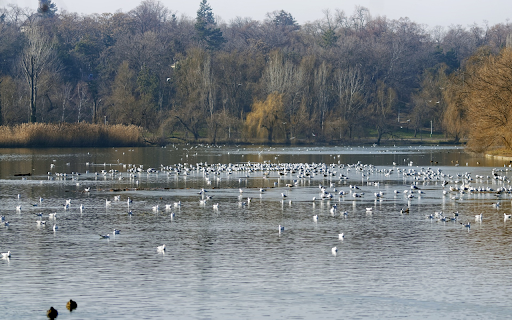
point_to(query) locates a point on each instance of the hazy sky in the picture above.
(429, 12)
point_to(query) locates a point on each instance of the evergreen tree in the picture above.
(206, 28)
(47, 8)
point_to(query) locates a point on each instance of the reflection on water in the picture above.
(233, 262)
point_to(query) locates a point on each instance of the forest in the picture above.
(346, 77)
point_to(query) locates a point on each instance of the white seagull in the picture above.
(161, 248)
(6, 255)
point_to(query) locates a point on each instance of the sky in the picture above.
(429, 12)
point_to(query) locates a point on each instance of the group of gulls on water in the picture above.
(299, 174)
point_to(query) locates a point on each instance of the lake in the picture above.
(234, 262)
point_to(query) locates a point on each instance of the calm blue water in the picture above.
(233, 263)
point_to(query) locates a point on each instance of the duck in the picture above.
(71, 305)
(52, 313)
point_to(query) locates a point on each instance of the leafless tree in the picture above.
(38, 57)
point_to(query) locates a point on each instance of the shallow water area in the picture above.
(233, 261)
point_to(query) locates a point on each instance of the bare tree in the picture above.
(37, 58)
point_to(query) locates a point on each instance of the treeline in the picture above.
(343, 77)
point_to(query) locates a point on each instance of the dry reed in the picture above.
(41, 135)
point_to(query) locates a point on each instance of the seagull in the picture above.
(55, 227)
(281, 228)
(507, 216)
(161, 248)
(6, 255)
(283, 195)
(18, 208)
(116, 231)
(478, 217)
(81, 208)
(105, 236)
(41, 223)
(315, 218)
(52, 215)
(108, 202)
(172, 215)
(341, 236)
(334, 250)
(216, 206)
(88, 189)
(467, 225)
(369, 209)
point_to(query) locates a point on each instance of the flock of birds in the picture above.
(287, 176)
(338, 182)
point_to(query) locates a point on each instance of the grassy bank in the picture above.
(41, 135)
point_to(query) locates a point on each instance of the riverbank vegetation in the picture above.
(342, 79)
(70, 135)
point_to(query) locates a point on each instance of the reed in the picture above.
(42, 135)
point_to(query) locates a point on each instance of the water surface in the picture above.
(233, 263)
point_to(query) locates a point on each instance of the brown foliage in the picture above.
(69, 135)
(488, 100)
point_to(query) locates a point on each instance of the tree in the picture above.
(37, 58)
(266, 115)
(47, 8)
(206, 28)
(488, 99)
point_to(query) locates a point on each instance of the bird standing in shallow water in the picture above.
(6, 255)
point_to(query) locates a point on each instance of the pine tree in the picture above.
(206, 28)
